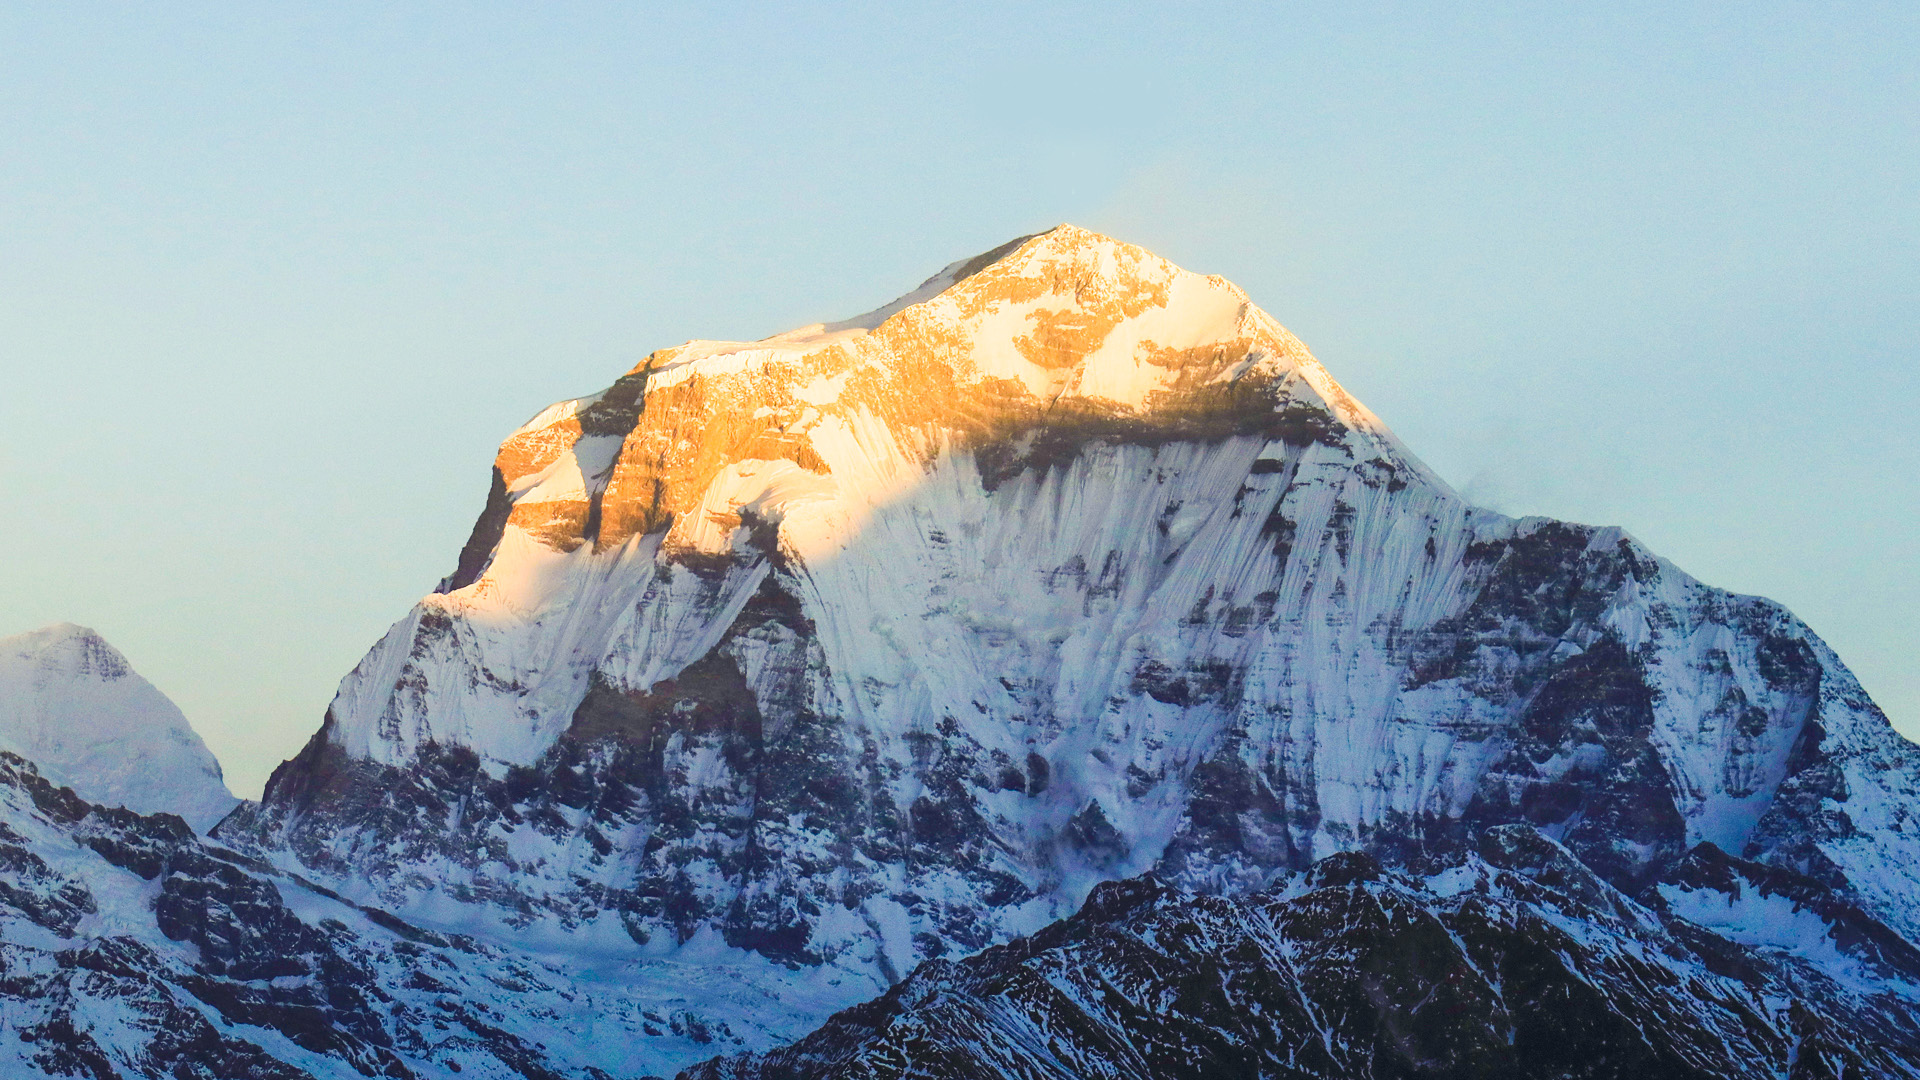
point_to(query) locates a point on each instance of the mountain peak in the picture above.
(73, 705)
(68, 650)
(1067, 266)
(1049, 342)
(1096, 252)
(801, 662)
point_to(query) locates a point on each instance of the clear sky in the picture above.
(276, 279)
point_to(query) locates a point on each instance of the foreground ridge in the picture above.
(1517, 961)
(130, 947)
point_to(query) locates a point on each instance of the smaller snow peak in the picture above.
(69, 650)
(60, 631)
(71, 704)
(53, 636)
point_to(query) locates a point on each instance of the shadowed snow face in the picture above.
(70, 703)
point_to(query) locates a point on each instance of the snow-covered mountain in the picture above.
(71, 704)
(781, 677)
(810, 659)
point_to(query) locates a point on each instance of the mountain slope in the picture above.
(885, 640)
(70, 703)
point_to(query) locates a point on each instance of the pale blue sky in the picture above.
(275, 280)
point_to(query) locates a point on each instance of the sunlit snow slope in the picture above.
(70, 703)
(890, 638)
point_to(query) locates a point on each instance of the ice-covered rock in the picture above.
(71, 704)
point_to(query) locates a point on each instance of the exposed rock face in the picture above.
(1516, 961)
(72, 704)
(888, 640)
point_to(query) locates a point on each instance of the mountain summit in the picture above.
(779, 668)
(1012, 362)
(71, 704)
